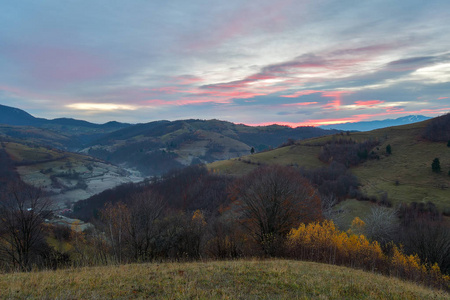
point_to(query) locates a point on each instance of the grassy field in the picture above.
(410, 166)
(405, 175)
(243, 279)
(301, 155)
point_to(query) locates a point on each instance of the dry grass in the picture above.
(301, 155)
(270, 279)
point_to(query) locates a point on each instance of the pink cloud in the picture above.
(369, 103)
(336, 103)
(355, 118)
(441, 98)
(337, 95)
(157, 102)
(55, 66)
(300, 104)
(187, 79)
(316, 122)
(247, 19)
(166, 89)
(301, 93)
(392, 109)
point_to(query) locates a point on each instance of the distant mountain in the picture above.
(14, 116)
(155, 147)
(65, 133)
(371, 125)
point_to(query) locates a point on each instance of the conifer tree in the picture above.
(436, 165)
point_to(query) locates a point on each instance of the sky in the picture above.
(258, 62)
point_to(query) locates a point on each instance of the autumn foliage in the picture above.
(323, 242)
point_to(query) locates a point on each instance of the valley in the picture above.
(66, 177)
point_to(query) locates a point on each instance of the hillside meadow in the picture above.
(405, 175)
(240, 279)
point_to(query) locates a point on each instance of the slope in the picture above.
(405, 175)
(66, 176)
(242, 279)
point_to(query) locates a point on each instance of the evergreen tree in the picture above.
(252, 150)
(436, 165)
(389, 149)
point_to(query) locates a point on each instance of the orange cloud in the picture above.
(309, 122)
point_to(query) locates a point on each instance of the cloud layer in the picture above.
(258, 62)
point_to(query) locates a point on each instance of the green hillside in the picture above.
(405, 175)
(242, 279)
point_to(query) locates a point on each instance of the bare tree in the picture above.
(130, 227)
(144, 209)
(115, 218)
(382, 224)
(275, 199)
(328, 202)
(429, 237)
(22, 213)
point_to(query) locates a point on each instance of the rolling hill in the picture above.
(66, 176)
(406, 174)
(154, 148)
(241, 279)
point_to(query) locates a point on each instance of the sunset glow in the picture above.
(285, 62)
(100, 106)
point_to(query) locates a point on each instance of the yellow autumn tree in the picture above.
(323, 242)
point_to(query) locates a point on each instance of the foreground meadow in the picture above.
(241, 279)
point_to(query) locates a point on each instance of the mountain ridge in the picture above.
(15, 116)
(184, 142)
